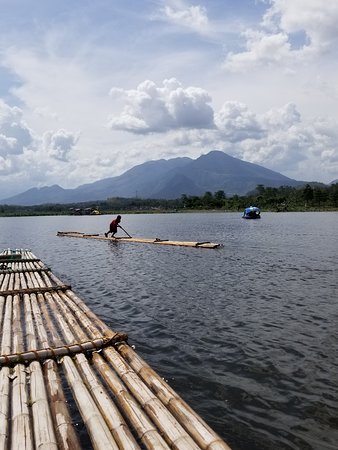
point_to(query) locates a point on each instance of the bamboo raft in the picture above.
(157, 241)
(54, 347)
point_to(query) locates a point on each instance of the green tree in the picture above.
(307, 194)
(333, 195)
(208, 200)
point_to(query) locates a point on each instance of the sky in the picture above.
(89, 89)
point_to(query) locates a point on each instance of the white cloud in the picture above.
(193, 17)
(316, 18)
(236, 123)
(59, 144)
(7, 166)
(27, 159)
(15, 136)
(150, 108)
(281, 118)
(292, 145)
(261, 49)
(279, 38)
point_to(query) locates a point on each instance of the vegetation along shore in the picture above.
(282, 199)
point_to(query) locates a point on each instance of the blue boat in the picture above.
(252, 213)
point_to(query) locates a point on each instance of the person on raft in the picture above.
(113, 226)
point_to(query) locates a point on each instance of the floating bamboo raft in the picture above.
(156, 241)
(54, 347)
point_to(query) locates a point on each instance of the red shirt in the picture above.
(113, 225)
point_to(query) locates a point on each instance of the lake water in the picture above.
(247, 334)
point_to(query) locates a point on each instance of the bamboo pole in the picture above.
(65, 432)
(97, 427)
(4, 387)
(23, 281)
(55, 280)
(17, 284)
(4, 406)
(5, 282)
(170, 428)
(144, 427)
(58, 317)
(17, 268)
(195, 425)
(21, 432)
(30, 332)
(35, 279)
(35, 290)
(6, 344)
(80, 333)
(94, 326)
(98, 430)
(108, 409)
(41, 330)
(44, 301)
(93, 317)
(16, 323)
(11, 282)
(46, 278)
(44, 435)
(2, 304)
(58, 352)
(42, 419)
(85, 322)
(30, 283)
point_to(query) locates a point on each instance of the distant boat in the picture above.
(252, 213)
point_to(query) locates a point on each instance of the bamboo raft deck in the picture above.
(54, 346)
(157, 241)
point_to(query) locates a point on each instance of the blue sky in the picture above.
(91, 89)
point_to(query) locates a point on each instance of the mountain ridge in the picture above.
(167, 179)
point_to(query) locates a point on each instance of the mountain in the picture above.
(165, 179)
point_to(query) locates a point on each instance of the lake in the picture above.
(246, 334)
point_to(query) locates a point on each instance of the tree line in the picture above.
(284, 198)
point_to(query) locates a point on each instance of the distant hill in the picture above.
(167, 179)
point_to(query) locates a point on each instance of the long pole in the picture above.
(125, 231)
